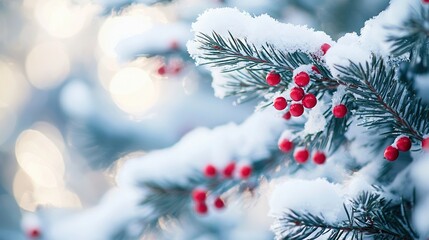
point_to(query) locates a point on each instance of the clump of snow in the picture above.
(220, 84)
(286, 37)
(303, 68)
(420, 176)
(316, 120)
(118, 208)
(348, 49)
(286, 134)
(338, 95)
(318, 197)
(252, 140)
(159, 39)
(421, 218)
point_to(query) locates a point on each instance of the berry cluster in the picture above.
(173, 67)
(210, 171)
(199, 196)
(244, 172)
(401, 143)
(299, 98)
(301, 154)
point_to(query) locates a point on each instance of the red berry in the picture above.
(319, 157)
(245, 171)
(201, 208)
(302, 79)
(174, 45)
(296, 109)
(34, 233)
(219, 203)
(229, 170)
(325, 47)
(339, 111)
(287, 115)
(391, 153)
(425, 1)
(309, 100)
(425, 142)
(285, 145)
(162, 70)
(210, 171)
(301, 155)
(297, 93)
(176, 68)
(315, 69)
(403, 144)
(199, 195)
(280, 103)
(273, 78)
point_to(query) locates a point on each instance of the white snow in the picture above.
(117, 209)
(316, 121)
(348, 48)
(250, 141)
(264, 30)
(318, 197)
(160, 38)
(303, 68)
(338, 95)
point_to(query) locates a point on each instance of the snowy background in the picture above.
(86, 85)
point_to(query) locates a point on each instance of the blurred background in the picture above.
(84, 85)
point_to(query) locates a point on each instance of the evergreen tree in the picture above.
(340, 133)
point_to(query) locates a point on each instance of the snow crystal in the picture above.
(252, 140)
(318, 197)
(316, 120)
(287, 37)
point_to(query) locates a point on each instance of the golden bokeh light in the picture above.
(47, 65)
(133, 91)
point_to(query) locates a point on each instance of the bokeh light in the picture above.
(117, 28)
(61, 18)
(133, 91)
(40, 153)
(47, 65)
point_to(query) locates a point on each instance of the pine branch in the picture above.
(384, 104)
(171, 200)
(235, 54)
(369, 215)
(412, 37)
